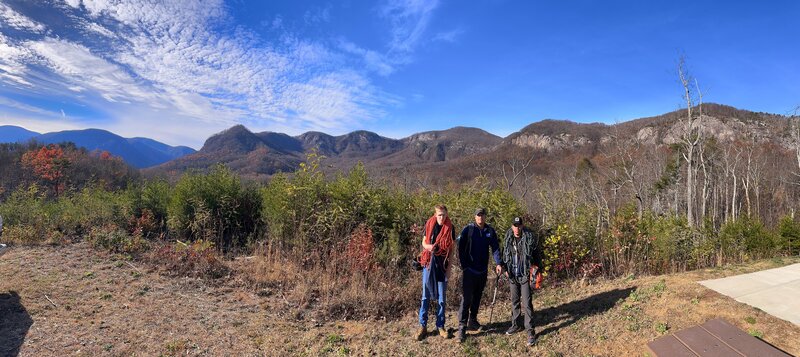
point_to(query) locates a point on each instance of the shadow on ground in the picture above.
(561, 316)
(14, 324)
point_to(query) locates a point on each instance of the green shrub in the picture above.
(745, 238)
(116, 240)
(215, 207)
(78, 213)
(26, 234)
(673, 248)
(71, 215)
(26, 206)
(627, 245)
(789, 233)
(148, 203)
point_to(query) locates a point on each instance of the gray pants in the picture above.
(521, 288)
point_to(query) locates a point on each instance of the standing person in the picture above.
(522, 258)
(473, 254)
(437, 248)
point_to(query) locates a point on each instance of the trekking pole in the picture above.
(494, 299)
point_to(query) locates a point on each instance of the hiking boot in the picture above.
(442, 332)
(462, 334)
(532, 337)
(421, 333)
(473, 325)
(512, 330)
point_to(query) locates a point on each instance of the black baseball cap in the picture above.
(517, 221)
(480, 211)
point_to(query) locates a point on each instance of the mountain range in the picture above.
(262, 154)
(137, 152)
(265, 153)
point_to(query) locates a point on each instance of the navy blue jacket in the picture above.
(473, 249)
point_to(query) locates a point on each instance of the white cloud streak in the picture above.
(10, 17)
(12, 62)
(171, 64)
(409, 19)
(448, 36)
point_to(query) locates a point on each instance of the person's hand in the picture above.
(498, 269)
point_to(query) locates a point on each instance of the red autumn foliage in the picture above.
(360, 249)
(48, 163)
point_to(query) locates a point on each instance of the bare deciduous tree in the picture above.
(690, 135)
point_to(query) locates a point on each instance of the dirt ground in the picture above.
(72, 300)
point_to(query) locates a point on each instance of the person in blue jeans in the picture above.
(437, 248)
(474, 243)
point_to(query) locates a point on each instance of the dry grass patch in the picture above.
(105, 305)
(326, 289)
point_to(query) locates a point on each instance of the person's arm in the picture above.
(463, 258)
(505, 253)
(495, 245)
(447, 262)
(426, 246)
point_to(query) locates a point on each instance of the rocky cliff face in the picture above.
(267, 153)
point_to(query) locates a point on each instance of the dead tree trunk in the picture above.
(690, 137)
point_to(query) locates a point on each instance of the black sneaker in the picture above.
(513, 329)
(462, 334)
(532, 337)
(473, 325)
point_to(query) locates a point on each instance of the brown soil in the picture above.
(105, 305)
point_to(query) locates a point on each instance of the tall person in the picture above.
(522, 258)
(437, 248)
(473, 253)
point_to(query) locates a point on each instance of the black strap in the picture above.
(469, 242)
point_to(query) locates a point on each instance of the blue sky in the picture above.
(178, 71)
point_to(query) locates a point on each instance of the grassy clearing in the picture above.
(102, 304)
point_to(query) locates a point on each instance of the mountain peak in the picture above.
(235, 139)
(137, 152)
(12, 134)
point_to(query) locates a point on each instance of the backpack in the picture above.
(469, 241)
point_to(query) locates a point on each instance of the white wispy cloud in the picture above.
(10, 17)
(448, 36)
(408, 19)
(184, 68)
(79, 67)
(373, 60)
(318, 15)
(12, 62)
(26, 108)
(98, 29)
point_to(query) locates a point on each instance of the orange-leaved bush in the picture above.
(48, 163)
